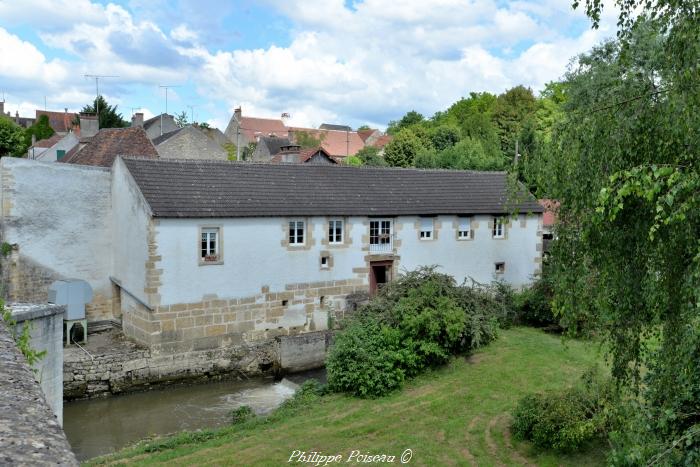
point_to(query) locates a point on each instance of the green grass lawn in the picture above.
(457, 415)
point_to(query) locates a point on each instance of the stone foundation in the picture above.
(115, 365)
(218, 323)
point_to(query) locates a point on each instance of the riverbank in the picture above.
(110, 364)
(457, 414)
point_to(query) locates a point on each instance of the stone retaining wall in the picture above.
(29, 431)
(118, 366)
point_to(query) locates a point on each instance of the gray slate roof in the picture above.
(164, 137)
(275, 144)
(189, 188)
(333, 126)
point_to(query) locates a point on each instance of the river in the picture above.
(101, 426)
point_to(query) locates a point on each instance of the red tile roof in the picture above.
(364, 134)
(336, 143)
(550, 211)
(253, 127)
(109, 143)
(48, 142)
(61, 122)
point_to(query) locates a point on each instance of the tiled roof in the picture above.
(333, 126)
(364, 134)
(189, 189)
(61, 122)
(275, 144)
(336, 143)
(109, 143)
(253, 127)
(304, 155)
(48, 142)
(164, 137)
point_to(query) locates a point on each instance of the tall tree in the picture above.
(411, 118)
(512, 110)
(625, 167)
(11, 138)
(402, 149)
(181, 119)
(109, 117)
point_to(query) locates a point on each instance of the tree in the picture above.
(363, 127)
(410, 119)
(39, 130)
(109, 117)
(512, 110)
(369, 155)
(402, 149)
(623, 163)
(11, 138)
(181, 119)
(307, 140)
(444, 136)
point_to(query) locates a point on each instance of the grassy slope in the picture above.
(457, 415)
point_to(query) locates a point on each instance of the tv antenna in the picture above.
(166, 87)
(97, 92)
(191, 107)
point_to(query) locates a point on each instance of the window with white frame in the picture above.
(465, 228)
(296, 232)
(335, 231)
(380, 232)
(426, 228)
(499, 229)
(210, 250)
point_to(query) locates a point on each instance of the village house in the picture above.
(188, 142)
(155, 126)
(195, 255)
(105, 145)
(242, 130)
(304, 156)
(54, 148)
(270, 146)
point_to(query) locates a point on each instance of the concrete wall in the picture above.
(46, 331)
(58, 217)
(66, 143)
(191, 143)
(29, 431)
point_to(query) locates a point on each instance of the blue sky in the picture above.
(334, 61)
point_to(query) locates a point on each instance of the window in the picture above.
(498, 227)
(296, 232)
(335, 231)
(380, 232)
(465, 229)
(210, 249)
(500, 267)
(325, 262)
(426, 228)
(60, 154)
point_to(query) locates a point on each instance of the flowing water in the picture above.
(100, 426)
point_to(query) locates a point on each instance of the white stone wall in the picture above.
(131, 216)
(254, 255)
(59, 216)
(51, 154)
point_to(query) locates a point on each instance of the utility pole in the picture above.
(166, 87)
(238, 142)
(191, 107)
(97, 93)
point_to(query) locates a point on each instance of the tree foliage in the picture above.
(623, 163)
(369, 155)
(11, 138)
(401, 151)
(181, 119)
(109, 117)
(308, 140)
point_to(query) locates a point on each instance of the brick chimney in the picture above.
(89, 125)
(137, 119)
(237, 113)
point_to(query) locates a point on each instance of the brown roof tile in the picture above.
(336, 143)
(61, 122)
(48, 142)
(253, 127)
(109, 143)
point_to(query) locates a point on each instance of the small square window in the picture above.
(499, 227)
(325, 262)
(210, 245)
(335, 231)
(465, 230)
(426, 228)
(500, 267)
(296, 232)
(285, 302)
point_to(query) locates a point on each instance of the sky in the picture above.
(321, 61)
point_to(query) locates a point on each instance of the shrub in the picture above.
(241, 414)
(566, 420)
(533, 305)
(367, 359)
(415, 322)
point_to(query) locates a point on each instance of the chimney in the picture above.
(137, 119)
(89, 125)
(2, 107)
(237, 113)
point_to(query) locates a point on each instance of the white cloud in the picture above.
(50, 14)
(22, 60)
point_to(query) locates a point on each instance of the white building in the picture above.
(200, 254)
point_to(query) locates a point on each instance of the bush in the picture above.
(415, 322)
(566, 420)
(534, 307)
(241, 414)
